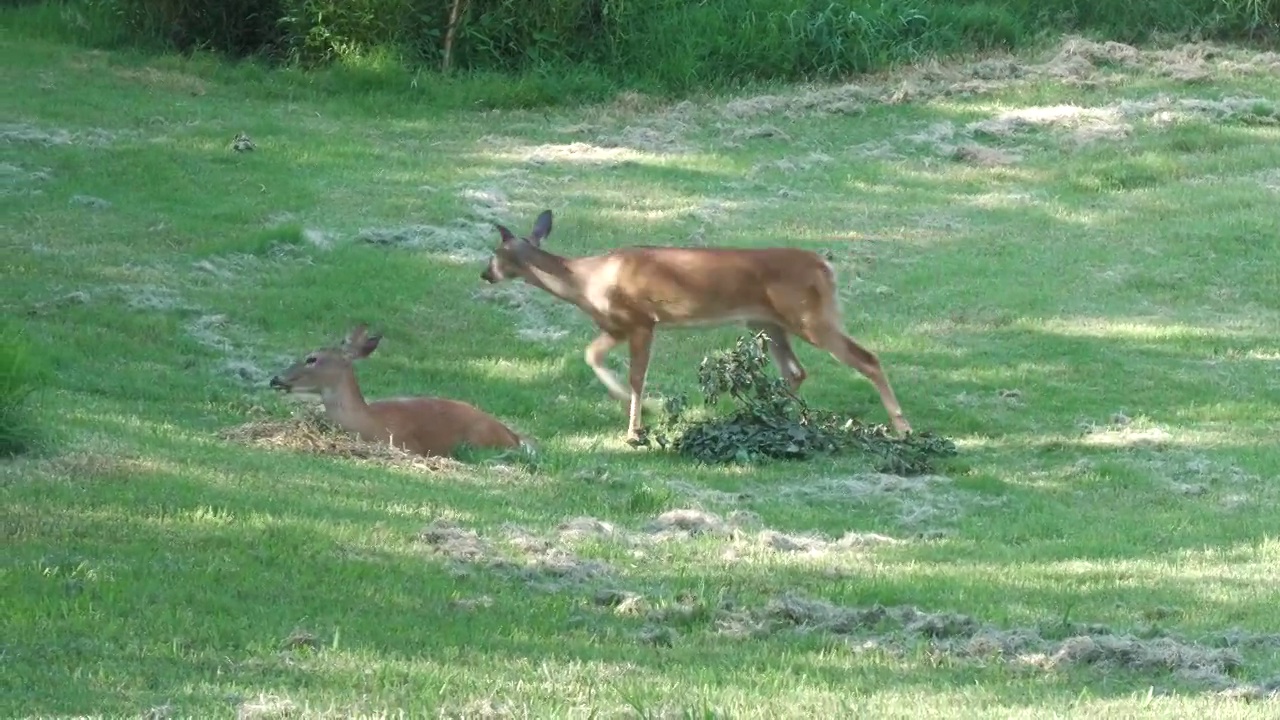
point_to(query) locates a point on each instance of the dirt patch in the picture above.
(309, 431)
(462, 242)
(531, 308)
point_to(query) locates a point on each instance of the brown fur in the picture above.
(631, 292)
(421, 425)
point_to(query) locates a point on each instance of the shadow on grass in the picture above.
(201, 585)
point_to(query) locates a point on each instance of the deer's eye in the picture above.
(311, 360)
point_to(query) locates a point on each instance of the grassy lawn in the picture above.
(1067, 262)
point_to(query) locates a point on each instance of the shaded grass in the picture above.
(1095, 324)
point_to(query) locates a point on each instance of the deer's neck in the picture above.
(554, 274)
(346, 406)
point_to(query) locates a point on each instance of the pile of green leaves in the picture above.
(768, 421)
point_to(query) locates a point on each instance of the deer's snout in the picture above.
(487, 275)
(278, 383)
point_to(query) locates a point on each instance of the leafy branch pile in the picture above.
(771, 422)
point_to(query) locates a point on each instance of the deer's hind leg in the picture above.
(829, 336)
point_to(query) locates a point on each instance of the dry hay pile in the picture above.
(1076, 61)
(541, 563)
(308, 431)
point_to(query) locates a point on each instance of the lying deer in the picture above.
(421, 425)
(632, 291)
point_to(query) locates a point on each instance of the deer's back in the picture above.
(437, 426)
(694, 286)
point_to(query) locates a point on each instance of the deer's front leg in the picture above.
(595, 355)
(641, 341)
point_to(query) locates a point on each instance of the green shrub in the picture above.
(318, 32)
(237, 28)
(674, 45)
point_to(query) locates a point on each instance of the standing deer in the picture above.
(631, 291)
(421, 425)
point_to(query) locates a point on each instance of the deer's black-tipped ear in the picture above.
(506, 234)
(541, 227)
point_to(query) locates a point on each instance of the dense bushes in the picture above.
(672, 43)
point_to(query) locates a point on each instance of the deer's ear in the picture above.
(507, 235)
(366, 346)
(358, 343)
(541, 228)
(356, 335)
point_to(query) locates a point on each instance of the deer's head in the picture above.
(512, 253)
(328, 367)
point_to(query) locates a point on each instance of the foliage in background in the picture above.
(661, 45)
(771, 422)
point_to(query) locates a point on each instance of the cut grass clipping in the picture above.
(771, 422)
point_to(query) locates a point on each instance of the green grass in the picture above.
(1094, 323)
